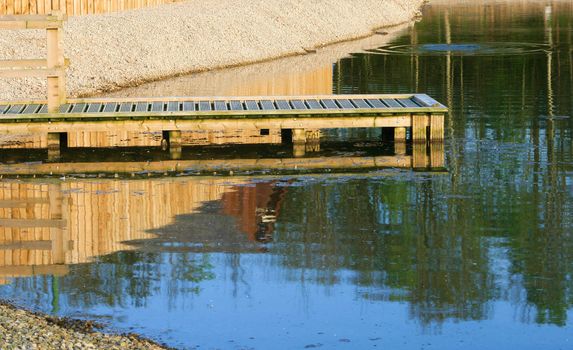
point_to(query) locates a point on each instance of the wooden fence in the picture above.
(73, 7)
(53, 67)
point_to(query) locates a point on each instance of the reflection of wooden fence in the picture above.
(44, 227)
(73, 7)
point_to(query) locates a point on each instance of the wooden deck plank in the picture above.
(188, 106)
(205, 106)
(142, 107)
(252, 105)
(329, 104)
(283, 104)
(426, 101)
(392, 103)
(31, 109)
(220, 106)
(16, 109)
(126, 107)
(406, 102)
(298, 104)
(173, 106)
(268, 105)
(110, 107)
(236, 106)
(360, 103)
(65, 108)
(78, 108)
(376, 103)
(157, 106)
(94, 108)
(345, 104)
(313, 104)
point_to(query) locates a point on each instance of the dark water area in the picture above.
(478, 257)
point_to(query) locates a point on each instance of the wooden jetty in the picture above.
(300, 118)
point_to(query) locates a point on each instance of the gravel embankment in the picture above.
(117, 50)
(20, 329)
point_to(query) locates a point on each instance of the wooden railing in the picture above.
(73, 7)
(53, 67)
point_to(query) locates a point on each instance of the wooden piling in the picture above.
(400, 135)
(437, 127)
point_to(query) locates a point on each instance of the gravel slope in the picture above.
(20, 329)
(125, 49)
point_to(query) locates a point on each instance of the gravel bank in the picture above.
(112, 51)
(20, 329)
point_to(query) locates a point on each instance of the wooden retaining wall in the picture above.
(73, 7)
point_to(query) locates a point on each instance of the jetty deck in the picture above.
(306, 112)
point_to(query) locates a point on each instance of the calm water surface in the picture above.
(480, 257)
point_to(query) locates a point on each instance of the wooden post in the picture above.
(400, 135)
(437, 127)
(172, 139)
(56, 83)
(54, 145)
(419, 127)
(400, 141)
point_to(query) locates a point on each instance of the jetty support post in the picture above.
(56, 141)
(172, 141)
(400, 141)
(420, 123)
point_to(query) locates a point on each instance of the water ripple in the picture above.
(464, 49)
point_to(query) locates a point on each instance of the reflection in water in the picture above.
(410, 259)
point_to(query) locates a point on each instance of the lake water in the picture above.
(477, 257)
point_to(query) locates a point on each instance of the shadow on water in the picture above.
(478, 257)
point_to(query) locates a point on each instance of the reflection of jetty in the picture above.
(420, 159)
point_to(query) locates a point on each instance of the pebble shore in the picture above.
(21, 329)
(112, 51)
